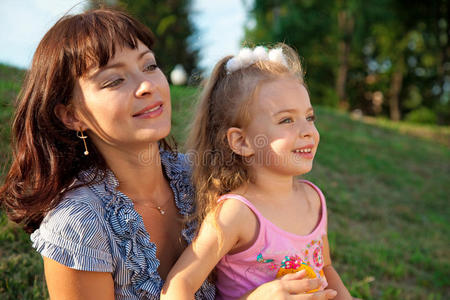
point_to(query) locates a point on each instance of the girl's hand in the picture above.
(291, 286)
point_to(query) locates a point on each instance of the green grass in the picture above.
(387, 187)
(10, 82)
(387, 194)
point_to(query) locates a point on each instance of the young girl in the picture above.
(253, 134)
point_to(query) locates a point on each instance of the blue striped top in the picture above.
(95, 228)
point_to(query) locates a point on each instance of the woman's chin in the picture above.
(165, 132)
(154, 134)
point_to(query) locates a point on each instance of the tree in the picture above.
(371, 50)
(307, 26)
(416, 50)
(169, 21)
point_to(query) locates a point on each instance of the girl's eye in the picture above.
(111, 84)
(311, 118)
(150, 67)
(286, 121)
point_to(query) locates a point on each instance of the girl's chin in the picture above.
(304, 170)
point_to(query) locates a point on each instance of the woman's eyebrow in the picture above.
(117, 65)
(145, 52)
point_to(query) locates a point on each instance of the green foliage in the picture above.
(387, 40)
(10, 80)
(386, 185)
(305, 26)
(422, 115)
(183, 104)
(169, 21)
(21, 269)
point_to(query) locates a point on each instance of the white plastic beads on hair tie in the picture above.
(248, 57)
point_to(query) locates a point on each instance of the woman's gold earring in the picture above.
(81, 135)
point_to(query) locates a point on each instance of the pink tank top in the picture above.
(275, 252)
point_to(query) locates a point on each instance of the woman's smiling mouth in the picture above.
(151, 111)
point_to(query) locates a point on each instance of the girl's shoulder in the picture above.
(312, 193)
(314, 196)
(311, 190)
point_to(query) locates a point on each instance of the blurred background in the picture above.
(378, 72)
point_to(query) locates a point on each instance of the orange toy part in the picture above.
(309, 273)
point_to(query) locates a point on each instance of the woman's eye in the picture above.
(113, 83)
(150, 67)
(311, 118)
(286, 121)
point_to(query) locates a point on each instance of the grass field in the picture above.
(387, 187)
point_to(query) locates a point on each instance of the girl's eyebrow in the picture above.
(292, 110)
(116, 65)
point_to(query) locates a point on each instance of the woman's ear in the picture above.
(68, 116)
(238, 143)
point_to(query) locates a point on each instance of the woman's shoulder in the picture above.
(75, 232)
(78, 209)
(82, 197)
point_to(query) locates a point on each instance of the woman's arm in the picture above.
(334, 281)
(66, 283)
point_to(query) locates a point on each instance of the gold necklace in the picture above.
(159, 208)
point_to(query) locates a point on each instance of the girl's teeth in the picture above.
(303, 150)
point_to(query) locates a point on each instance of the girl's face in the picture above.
(126, 103)
(282, 131)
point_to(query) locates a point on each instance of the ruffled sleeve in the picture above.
(73, 235)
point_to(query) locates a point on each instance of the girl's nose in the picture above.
(306, 129)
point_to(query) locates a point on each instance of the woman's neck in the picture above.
(139, 173)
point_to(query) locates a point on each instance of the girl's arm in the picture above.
(66, 283)
(235, 221)
(290, 286)
(334, 281)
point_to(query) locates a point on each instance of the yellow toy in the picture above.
(294, 264)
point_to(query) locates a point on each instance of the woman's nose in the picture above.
(145, 88)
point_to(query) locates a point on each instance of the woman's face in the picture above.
(125, 104)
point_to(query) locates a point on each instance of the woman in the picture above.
(93, 177)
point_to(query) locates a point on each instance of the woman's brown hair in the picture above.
(223, 104)
(47, 156)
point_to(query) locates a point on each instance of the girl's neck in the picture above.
(265, 185)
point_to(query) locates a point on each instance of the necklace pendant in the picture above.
(161, 211)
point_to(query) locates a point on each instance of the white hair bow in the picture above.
(247, 57)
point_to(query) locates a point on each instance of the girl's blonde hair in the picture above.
(224, 103)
